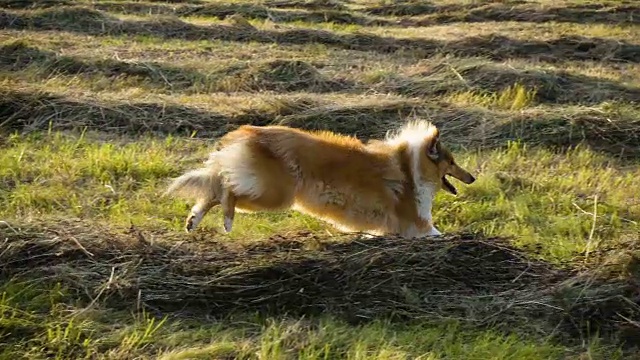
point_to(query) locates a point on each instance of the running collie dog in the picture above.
(381, 187)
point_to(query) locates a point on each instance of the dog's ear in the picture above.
(432, 146)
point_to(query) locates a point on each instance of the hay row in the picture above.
(477, 280)
(427, 14)
(444, 76)
(88, 21)
(613, 133)
(411, 13)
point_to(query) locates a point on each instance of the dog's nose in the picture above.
(473, 179)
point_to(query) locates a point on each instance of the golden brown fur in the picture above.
(384, 186)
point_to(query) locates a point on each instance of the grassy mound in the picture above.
(431, 14)
(307, 4)
(617, 137)
(574, 47)
(403, 8)
(38, 111)
(20, 56)
(366, 119)
(482, 281)
(277, 75)
(481, 77)
(278, 15)
(26, 111)
(32, 4)
(281, 76)
(552, 87)
(221, 10)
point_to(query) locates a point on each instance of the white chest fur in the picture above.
(425, 192)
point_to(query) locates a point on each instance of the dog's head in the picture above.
(438, 161)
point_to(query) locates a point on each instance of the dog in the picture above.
(378, 187)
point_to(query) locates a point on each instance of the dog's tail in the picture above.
(196, 184)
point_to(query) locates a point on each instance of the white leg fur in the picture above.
(228, 202)
(424, 200)
(434, 231)
(228, 224)
(197, 213)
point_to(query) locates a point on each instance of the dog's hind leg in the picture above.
(198, 211)
(228, 202)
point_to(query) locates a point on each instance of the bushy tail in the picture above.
(196, 184)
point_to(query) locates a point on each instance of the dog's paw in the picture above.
(434, 232)
(228, 224)
(188, 226)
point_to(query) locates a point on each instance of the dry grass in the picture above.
(609, 128)
(101, 102)
(481, 281)
(437, 77)
(498, 47)
(431, 14)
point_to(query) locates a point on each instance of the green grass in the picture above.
(516, 97)
(76, 332)
(58, 174)
(41, 318)
(102, 105)
(534, 195)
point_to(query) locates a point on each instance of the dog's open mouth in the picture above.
(448, 186)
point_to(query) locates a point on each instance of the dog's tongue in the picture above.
(448, 186)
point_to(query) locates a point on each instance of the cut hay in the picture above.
(420, 14)
(365, 119)
(476, 280)
(306, 4)
(280, 76)
(494, 46)
(450, 75)
(577, 48)
(18, 55)
(26, 112)
(33, 4)
(403, 9)
(277, 75)
(315, 13)
(612, 131)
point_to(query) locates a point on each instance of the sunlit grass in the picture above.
(536, 196)
(119, 182)
(515, 97)
(562, 205)
(60, 329)
(546, 199)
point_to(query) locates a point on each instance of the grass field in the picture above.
(102, 102)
